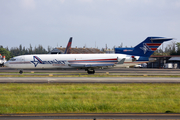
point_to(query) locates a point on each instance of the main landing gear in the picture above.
(20, 71)
(90, 71)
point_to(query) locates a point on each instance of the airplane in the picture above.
(2, 60)
(144, 50)
(89, 62)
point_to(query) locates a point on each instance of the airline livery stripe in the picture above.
(153, 44)
(94, 63)
(153, 49)
(38, 59)
(95, 60)
(19, 62)
(69, 44)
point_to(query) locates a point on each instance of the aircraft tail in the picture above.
(145, 48)
(68, 48)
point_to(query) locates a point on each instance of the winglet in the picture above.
(68, 48)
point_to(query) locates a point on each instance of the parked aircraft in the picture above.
(89, 62)
(2, 60)
(68, 48)
(144, 50)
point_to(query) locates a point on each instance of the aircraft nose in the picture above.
(6, 64)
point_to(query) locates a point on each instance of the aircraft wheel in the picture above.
(90, 71)
(21, 72)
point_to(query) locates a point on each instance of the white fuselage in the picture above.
(54, 61)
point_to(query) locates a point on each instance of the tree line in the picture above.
(16, 51)
(171, 49)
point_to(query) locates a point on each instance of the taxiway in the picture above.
(117, 71)
(88, 80)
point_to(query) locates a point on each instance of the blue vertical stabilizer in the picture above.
(145, 48)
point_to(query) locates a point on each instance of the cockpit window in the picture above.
(12, 59)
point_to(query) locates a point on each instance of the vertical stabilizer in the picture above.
(149, 45)
(145, 48)
(68, 48)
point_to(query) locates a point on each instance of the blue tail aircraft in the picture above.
(145, 49)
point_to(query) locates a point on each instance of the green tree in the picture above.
(178, 48)
(6, 53)
(49, 49)
(30, 49)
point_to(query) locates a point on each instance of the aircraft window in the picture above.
(12, 59)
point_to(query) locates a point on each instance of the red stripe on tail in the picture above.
(153, 44)
(153, 49)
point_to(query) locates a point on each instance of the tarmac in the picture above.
(141, 75)
(93, 116)
(88, 80)
(110, 70)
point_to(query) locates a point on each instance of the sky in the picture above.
(91, 23)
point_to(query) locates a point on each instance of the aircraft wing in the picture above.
(95, 64)
(121, 61)
(90, 65)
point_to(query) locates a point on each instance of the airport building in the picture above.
(172, 61)
(76, 51)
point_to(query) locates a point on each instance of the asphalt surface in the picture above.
(92, 116)
(111, 70)
(116, 71)
(88, 80)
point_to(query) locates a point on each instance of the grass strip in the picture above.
(89, 98)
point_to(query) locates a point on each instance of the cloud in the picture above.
(177, 4)
(28, 4)
(89, 1)
(113, 21)
(62, 1)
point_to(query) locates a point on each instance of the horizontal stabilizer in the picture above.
(164, 39)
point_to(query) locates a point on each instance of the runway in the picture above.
(88, 80)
